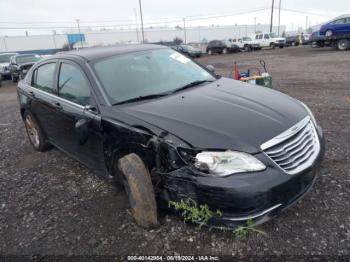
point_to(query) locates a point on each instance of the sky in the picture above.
(19, 16)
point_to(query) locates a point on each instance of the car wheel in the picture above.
(272, 46)
(35, 134)
(224, 51)
(0, 80)
(139, 189)
(281, 46)
(329, 33)
(343, 44)
(210, 52)
(247, 48)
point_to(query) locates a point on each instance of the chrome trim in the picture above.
(253, 216)
(286, 134)
(69, 103)
(299, 153)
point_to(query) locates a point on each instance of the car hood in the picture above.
(279, 39)
(225, 114)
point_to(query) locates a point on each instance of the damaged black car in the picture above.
(167, 129)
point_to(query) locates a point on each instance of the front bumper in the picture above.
(258, 196)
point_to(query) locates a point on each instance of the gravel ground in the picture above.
(51, 204)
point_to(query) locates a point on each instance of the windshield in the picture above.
(27, 59)
(129, 76)
(5, 58)
(272, 35)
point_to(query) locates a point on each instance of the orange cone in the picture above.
(236, 76)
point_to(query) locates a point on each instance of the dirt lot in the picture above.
(51, 204)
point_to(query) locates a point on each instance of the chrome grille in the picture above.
(295, 149)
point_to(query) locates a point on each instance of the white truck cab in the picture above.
(269, 40)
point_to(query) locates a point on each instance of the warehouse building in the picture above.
(47, 44)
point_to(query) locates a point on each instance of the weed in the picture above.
(192, 211)
(243, 231)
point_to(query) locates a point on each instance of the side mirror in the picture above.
(82, 130)
(211, 68)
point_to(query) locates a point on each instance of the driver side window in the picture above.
(72, 85)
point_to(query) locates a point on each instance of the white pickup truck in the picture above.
(246, 43)
(269, 40)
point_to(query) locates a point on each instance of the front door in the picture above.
(75, 102)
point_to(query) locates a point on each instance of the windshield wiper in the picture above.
(139, 98)
(192, 84)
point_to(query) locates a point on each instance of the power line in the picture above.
(194, 18)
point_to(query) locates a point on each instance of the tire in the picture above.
(35, 134)
(281, 46)
(0, 80)
(210, 52)
(247, 48)
(139, 189)
(272, 46)
(224, 51)
(343, 44)
(329, 33)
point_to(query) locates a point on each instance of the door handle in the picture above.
(32, 94)
(57, 105)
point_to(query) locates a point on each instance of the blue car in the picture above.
(338, 26)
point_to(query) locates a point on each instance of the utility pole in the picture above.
(143, 33)
(271, 23)
(254, 25)
(185, 30)
(279, 17)
(81, 39)
(137, 31)
(306, 23)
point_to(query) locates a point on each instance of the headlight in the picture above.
(310, 113)
(227, 163)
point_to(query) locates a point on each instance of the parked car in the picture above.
(296, 40)
(20, 64)
(4, 65)
(317, 40)
(188, 50)
(169, 129)
(269, 40)
(338, 26)
(246, 43)
(221, 47)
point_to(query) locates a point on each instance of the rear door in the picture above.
(42, 94)
(76, 102)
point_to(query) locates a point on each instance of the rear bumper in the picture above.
(258, 196)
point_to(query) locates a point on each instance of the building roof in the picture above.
(95, 53)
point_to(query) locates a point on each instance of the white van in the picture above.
(269, 40)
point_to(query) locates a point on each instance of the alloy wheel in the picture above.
(32, 131)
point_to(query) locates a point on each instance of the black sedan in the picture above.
(169, 129)
(188, 50)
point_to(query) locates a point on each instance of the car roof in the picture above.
(95, 53)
